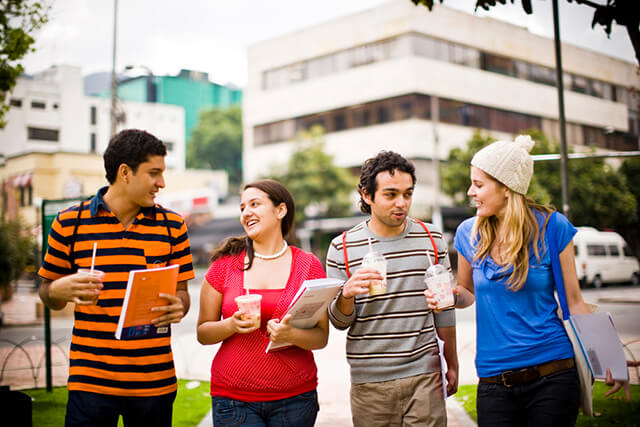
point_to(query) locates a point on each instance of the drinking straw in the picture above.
(93, 257)
(370, 245)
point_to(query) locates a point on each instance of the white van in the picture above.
(604, 257)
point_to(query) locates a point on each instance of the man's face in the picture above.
(391, 202)
(146, 181)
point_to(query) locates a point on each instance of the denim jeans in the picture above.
(548, 401)
(298, 411)
(92, 409)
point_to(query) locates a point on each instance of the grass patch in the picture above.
(190, 407)
(610, 411)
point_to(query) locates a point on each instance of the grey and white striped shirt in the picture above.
(392, 335)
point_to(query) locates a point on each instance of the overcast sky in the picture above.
(213, 35)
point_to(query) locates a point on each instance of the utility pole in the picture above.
(561, 118)
(436, 214)
(114, 82)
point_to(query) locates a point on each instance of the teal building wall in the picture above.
(191, 90)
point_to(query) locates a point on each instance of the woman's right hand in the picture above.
(241, 326)
(432, 302)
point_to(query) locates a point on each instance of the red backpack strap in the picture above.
(433, 242)
(344, 250)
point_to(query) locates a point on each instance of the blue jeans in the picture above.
(92, 409)
(548, 401)
(298, 411)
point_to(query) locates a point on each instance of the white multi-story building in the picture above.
(374, 79)
(49, 113)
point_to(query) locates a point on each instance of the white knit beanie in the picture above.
(508, 161)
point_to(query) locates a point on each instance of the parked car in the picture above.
(603, 257)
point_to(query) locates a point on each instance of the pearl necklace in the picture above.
(274, 256)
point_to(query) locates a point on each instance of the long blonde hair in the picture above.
(520, 229)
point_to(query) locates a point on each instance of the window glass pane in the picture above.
(614, 250)
(596, 250)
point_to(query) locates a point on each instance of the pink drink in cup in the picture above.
(99, 275)
(439, 281)
(249, 306)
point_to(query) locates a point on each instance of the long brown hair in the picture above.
(520, 227)
(278, 194)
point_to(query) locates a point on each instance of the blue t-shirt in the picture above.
(516, 329)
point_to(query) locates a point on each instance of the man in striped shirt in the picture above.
(392, 347)
(108, 377)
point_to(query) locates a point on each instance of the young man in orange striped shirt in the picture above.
(109, 377)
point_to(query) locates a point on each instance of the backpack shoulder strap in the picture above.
(166, 224)
(433, 242)
(344, 250)
(74, 236)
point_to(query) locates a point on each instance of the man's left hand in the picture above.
(452, 381)
(171, 313)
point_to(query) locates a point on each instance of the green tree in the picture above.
(16, 250)
(18, 20)
(623, 12)
(599, 195)
(318, 186)
(216, 142)
(630, 168)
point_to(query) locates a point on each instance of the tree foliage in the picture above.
(216, 142)
(598, 195)
(18, 20)
(631, 170)
(318, 186)
(624, 12)
(16, 250)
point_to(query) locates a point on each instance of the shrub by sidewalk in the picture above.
(191, 405)
(614, 410)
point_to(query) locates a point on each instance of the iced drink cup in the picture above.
(99, 275)
(249, 306)
(440, 283)
(376, 261)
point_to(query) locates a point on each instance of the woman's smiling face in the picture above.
(488, 195)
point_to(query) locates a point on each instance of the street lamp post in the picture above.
(114, 82)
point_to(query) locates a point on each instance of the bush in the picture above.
(17, 247)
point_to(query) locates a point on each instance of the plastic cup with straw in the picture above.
(440, 282)
(249, 305)
(92, 271)
(376, 261)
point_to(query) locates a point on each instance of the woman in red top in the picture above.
(248, 385)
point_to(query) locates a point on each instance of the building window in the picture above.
(26, 195)
(55, 106)
(93, 113)
(92, 143)
(170, 146)
(38, 105)
(41, 134)
(14, 102)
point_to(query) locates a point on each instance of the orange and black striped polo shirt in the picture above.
(100, 363)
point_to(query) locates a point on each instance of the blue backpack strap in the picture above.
(552, 243)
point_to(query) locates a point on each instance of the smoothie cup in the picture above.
(376, 261)
(249, 306)
(440, 282)
(99, 275)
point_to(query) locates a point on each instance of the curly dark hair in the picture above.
(384, 161)
(131, 147)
